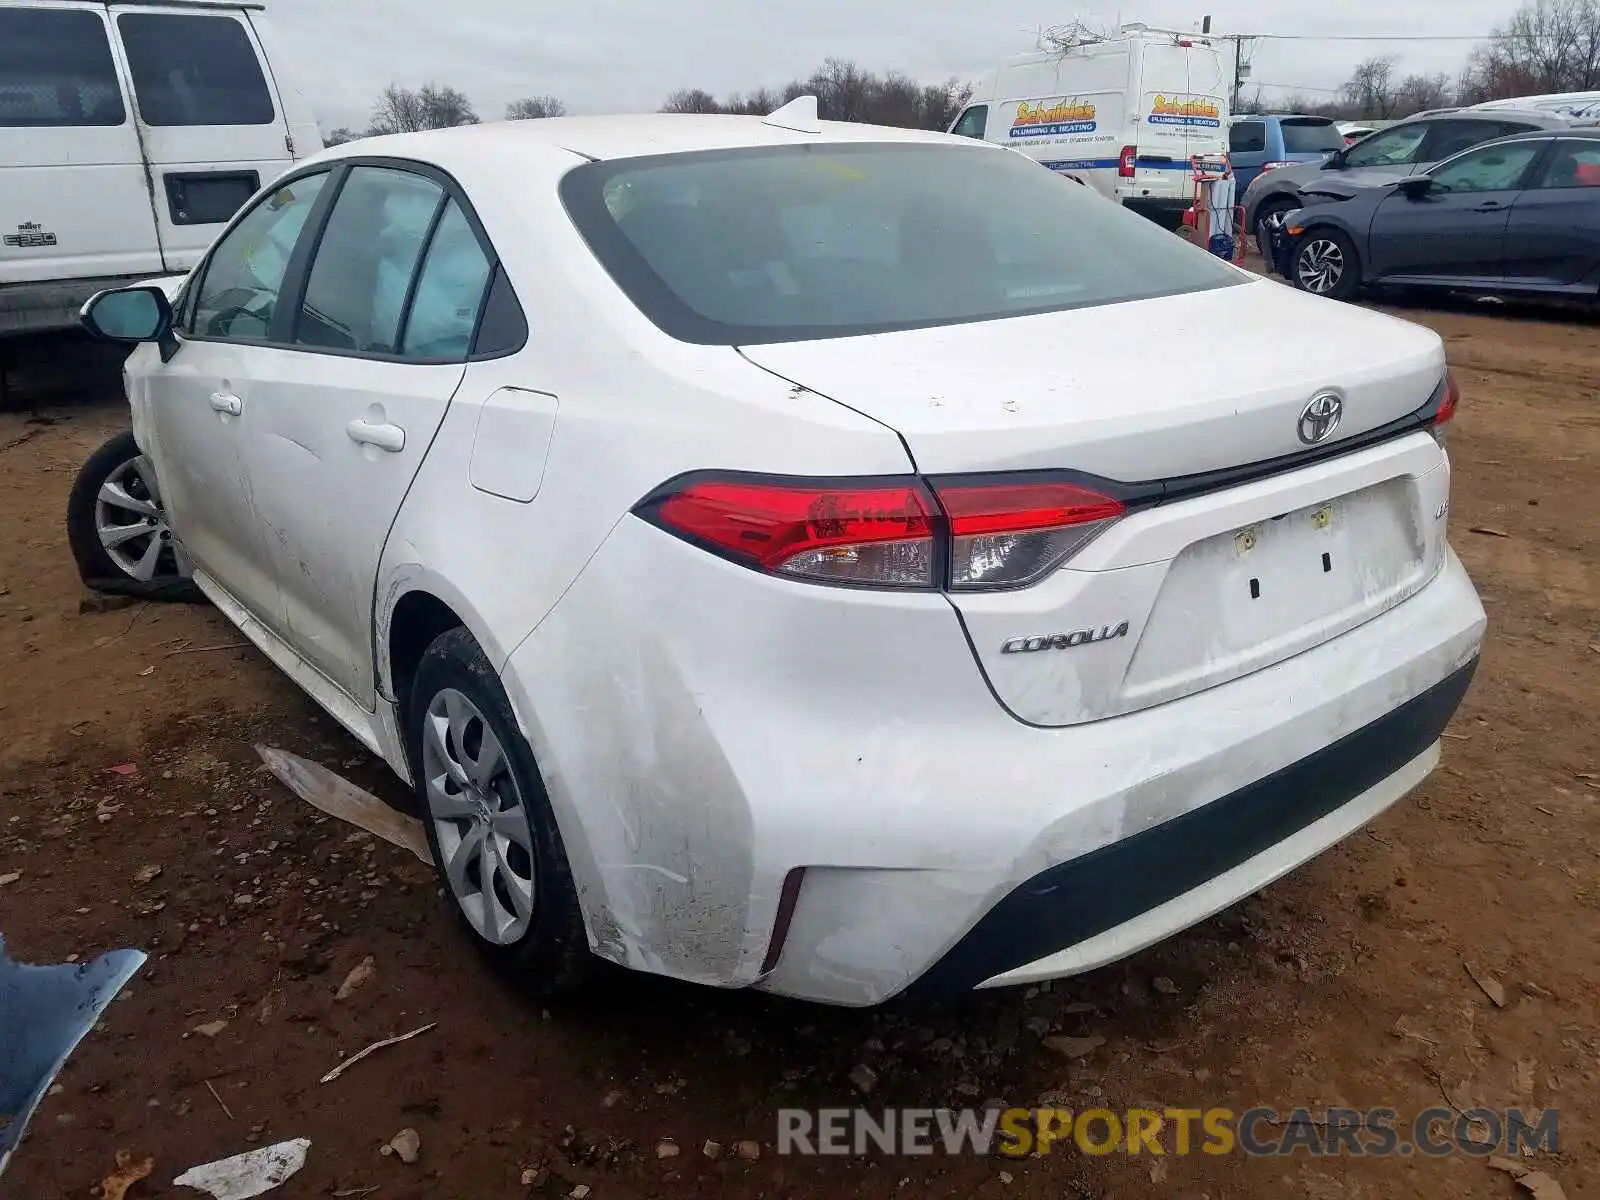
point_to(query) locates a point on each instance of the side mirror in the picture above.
(1415, 187)
(131, 315)
(1335, 161)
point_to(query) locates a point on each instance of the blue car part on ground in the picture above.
(44, 1013)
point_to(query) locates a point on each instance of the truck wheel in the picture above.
(117, 528)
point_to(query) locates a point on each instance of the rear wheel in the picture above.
(1325, 264)
(117, 527)
(489, 822)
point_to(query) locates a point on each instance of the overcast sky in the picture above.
(627, 55)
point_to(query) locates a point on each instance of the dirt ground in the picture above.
(1343, 984)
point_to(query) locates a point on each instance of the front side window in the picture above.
(1247, 137)
(364, 264)
(1497, 168)
(1573, 165)
(194, 70)
(783, 243)
(56, 70)
(1395, 147)
(973, 123)
(238, 295)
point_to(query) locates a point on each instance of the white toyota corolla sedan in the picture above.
(812, 557)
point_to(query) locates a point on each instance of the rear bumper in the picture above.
(1163, 210)
(1111, 902)
(52, 304)
(723, 736)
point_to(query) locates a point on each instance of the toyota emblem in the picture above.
(1320, 417)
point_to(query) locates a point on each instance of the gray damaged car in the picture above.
(1517, 216)
(1405, 148)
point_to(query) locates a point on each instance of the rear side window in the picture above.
(973, 123)
(364, 264)
(455, 275)
(56, 70)
(1305, 136)
(194, 70)
(1574, 164)
(1247, 137)
(1449, 138)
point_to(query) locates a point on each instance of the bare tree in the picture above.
(1371, 89)
(1547, 46)
(532, 108)
(403, 110)
(691, 100)
(1419, 93)
(340, 136)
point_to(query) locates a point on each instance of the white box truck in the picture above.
(1123, 113)
(130, 133)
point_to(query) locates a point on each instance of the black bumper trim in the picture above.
(1073, 901)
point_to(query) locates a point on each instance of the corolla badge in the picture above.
(1063, 641)
(1320, 417)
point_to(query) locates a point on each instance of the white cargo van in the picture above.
(1123, 114)
(130, 132)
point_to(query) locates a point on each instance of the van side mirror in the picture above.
(131, 315)
(1415, 187)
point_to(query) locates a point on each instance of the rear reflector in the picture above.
(868, 534)
(970, 533)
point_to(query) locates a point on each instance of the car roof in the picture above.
(613, 137)
(1587, 132)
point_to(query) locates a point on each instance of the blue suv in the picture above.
(1256, 143)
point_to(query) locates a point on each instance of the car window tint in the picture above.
(365, 261)
(1573, 165)
(781, 243)
(56, 70)
(239, 292)
(1247, 137)
(450, 290)
(1389, 147)
(194, 70)
(1311, 135)
(1496, 168)
(1449, 138)
(973, 122)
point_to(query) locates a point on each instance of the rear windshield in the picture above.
(799, 242)
(56, 70)
(194, 70)
(1311, 137)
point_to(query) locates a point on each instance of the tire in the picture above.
(1269, 210)
(110, 540)
(456, 702)
(1324, 263)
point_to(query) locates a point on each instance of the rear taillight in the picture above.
(1127, 160)
(1006, 535)
(1446, 411)
(965, 533)
(869, 534)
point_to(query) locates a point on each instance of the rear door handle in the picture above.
(227, 402)
(1490, 206)
(382, 435)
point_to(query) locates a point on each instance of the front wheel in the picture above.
(1324, 263)
(117, 527)
(1268, 221)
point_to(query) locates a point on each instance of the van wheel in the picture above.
(1325, 264)
(489, 824)
(117, 528)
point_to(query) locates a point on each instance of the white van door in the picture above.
(1184, 101)
(73, 199)
(1078, 134)
(210, 120)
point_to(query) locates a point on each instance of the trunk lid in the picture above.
(1185, 594)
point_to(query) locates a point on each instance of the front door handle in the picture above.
(227, 402)
(1489, 206)
(380, 434)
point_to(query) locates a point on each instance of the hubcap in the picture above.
(131, 522)
(1320, 266)
(479, 821)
